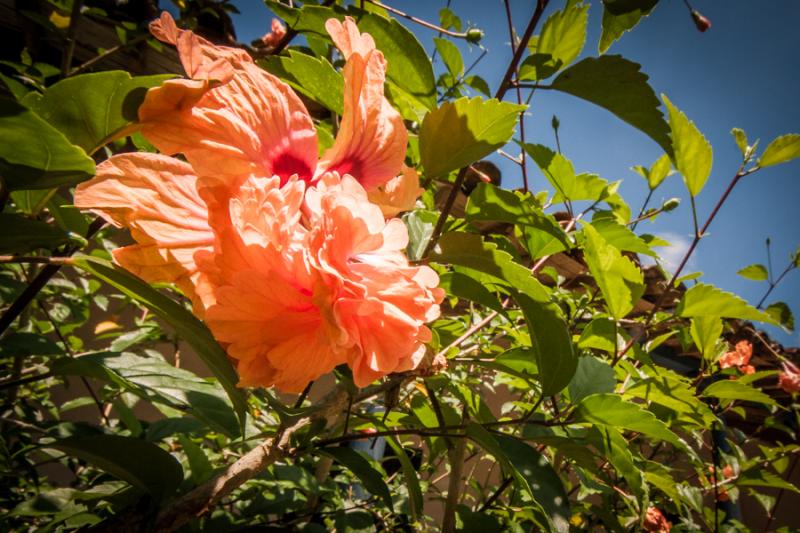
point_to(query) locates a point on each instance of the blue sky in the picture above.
(744, 72)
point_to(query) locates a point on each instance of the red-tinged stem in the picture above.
(419, 21)
(512, 37)
(523, 44)
(698, 236)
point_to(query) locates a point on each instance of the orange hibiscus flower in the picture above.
(289, 259)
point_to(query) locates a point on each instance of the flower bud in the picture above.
(474, 35)
(671, 205)
(700, 21)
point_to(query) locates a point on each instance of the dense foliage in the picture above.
(566, 385)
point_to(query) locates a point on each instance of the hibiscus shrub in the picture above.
(285, 288)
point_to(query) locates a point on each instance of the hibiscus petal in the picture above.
(398, 194)
(156, 198)
(252, 123)
(371, 143)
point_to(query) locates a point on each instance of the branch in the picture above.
(521, 47)
(416, 20)
(206, 496)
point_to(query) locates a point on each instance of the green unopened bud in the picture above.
(474, 35)
(671, 204)
(555, 123)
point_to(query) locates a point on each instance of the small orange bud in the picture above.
(700, 21)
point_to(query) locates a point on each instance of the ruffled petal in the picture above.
(252, 123)
(380, 302)
(397, 195)
(155, 197)
(371, 143)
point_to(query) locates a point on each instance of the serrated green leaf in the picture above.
(706, 300)
(186, 325)
(611, 410)
(462, 132)
(559, 44)
(372, 480)
(142, 464)
(451, 56)
(692, 152)
(781, 150)
(741, 140)
(21, 234)
(34, 154)
(620, 16)
(617, 85)
(311, 76)
(706, 331)
(731, 389)
(782, 314)
(613, 447)
(620, 281)
(592, 376)
(622, 238)
(755, 272)
(91, 110)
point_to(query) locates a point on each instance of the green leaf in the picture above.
(94, 109)
(142, 464)
(450, 55)
(462, 132)
(672, 391)
(551, 341)
(25, 344)
(613, 447)
(415, 498)
(599, 334)
(620, 281)
(706, 300)
(781, 150)
(531, 471)
(489, 202)
(761, 477)
(556, 168)
(741, 140)
(559, 44)
(21, 234)
(731, 389)
(186, 325)
(611, 410)
(620, 237)
(468, 288)
(781, 313)
(34, 154)
(311, 76)
(754, 272)
(592, 376)
(692, 152)
(372, 480)
(620, 16)
(449, 20)
(617, 85)
(656, 174)
(199, 465)
(154, 379)
(706, 331)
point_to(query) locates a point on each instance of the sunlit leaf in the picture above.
(706, 331)
(558, 45)
(657, 173)
(620, 16)
(450, 55)
(781, 150)
(620, 281)
(34, 154)
(591, 377)
(462, 132)
(692, 152)
(311, 76)
(706, 300)
(731, 389)
(782, 314)
(741, 140)
(91, 110)
(754, 272)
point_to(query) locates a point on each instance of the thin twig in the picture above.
(425, 23)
